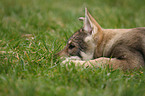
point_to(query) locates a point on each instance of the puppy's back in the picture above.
(130, 45)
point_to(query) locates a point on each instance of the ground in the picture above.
(32, 31)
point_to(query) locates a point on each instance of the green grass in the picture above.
(27, 63)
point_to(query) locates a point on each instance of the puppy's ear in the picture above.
(90, 24)
(87, 22)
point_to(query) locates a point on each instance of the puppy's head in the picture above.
(83, 42)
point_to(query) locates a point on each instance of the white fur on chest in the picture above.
(88, 55)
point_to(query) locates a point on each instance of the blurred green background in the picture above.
(32, 31)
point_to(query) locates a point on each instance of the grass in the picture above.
(32, 31)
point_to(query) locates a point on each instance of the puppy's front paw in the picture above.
(74, 58)
(65, 61)
(70, 59)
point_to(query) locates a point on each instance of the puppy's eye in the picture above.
(71, 46)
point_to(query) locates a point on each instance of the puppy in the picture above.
(94, 46)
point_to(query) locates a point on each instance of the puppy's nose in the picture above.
(62, 53)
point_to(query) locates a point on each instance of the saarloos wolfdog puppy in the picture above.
(94, 46)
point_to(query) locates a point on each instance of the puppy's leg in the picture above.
(102, 62)
(96, 62)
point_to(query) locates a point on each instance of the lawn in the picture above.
(32, 31)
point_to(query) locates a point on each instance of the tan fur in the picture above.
(110, 36)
